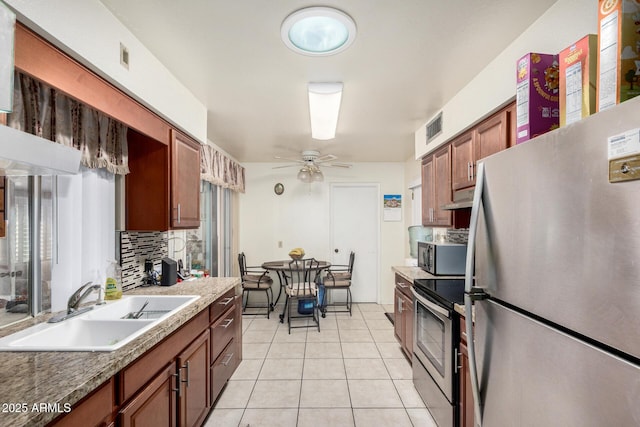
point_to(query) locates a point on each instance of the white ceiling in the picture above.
(410, 57)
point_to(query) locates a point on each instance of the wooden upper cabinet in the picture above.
(442, 192)
(162, 191)
(436, 188)
(490, 136)
(428, 200)
(185, 181)
(462, 159)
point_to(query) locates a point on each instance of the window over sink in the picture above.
(26, 251)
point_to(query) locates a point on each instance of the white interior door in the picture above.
(355, 226)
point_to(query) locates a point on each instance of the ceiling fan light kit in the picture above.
(311, 162)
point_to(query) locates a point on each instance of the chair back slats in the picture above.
(302, 275)
(352, 257)
(242, 262)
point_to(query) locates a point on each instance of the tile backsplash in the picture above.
(135, 248)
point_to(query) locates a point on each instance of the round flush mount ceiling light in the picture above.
(318, 31)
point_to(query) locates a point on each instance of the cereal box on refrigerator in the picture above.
(537, 107)
(618, 52)
(578, 80)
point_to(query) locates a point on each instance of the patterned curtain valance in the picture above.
(220, 170)
(43, 111)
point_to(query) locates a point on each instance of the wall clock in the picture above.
(278, 189)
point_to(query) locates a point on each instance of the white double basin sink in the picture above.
(105, 328)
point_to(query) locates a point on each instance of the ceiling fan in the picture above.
(310, 164)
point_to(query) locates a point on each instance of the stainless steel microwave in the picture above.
(442, 259)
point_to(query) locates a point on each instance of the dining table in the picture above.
(281, 267)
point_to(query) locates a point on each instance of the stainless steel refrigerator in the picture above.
(557, 280)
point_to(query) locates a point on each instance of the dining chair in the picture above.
(254, 279)
(338, 277)
(301, 291)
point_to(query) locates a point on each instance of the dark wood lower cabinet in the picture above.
(94, 410)
(403, 315)
(193, 364)
(223, 368)
(155, 405)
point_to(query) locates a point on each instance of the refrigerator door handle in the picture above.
(469, 290)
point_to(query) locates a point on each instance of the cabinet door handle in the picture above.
(178, 382)
(226, 301)
(229, 322)
(186, 366)
(468, 171)
(178, 209)
(228, 359)
(400, 304)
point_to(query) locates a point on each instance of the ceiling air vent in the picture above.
(434, 127)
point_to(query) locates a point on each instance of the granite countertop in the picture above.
(411, 273)
(28, 379)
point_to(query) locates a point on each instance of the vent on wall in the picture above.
(434, 127)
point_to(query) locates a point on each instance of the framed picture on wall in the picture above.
(392, 207)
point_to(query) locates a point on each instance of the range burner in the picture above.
(445, 291)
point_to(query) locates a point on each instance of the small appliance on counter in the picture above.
(152, 275)
(169, 272)
(442, 259)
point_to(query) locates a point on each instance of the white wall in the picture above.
(564, 23)
(90, 33)
(300, 216)
(86, 232)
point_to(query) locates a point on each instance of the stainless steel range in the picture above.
(436, 341)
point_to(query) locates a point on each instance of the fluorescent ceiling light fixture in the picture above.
(318, 31)
(324, 107)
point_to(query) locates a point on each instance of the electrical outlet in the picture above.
(280, 244)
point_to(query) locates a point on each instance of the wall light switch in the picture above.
(280, 243)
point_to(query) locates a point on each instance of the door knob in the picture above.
(336, 250)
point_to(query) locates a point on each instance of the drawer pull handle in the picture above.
(229, 322)
(228, 359)
(401, 285)
(226, 301)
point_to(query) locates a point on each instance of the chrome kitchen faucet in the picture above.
(76, 298)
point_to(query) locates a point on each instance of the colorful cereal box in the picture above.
(537, 107)
(618, 52)
(578, 72)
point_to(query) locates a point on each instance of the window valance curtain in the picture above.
(43, 111)
(220, 170)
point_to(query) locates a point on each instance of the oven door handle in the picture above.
(431, 305)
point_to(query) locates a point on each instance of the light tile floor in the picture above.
(351, 373)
